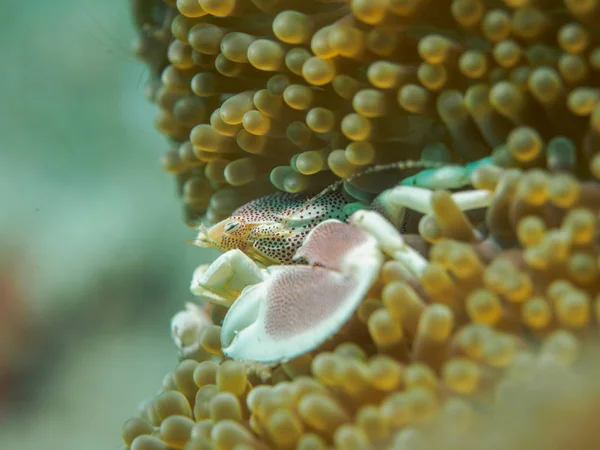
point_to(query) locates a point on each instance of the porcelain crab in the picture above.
(284, 304)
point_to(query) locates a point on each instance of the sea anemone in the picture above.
(498, 336)
(262, 95)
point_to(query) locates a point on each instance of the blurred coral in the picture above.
(14, 323)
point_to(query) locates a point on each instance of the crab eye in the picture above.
(230, 226)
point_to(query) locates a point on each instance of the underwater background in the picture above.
(93, 254)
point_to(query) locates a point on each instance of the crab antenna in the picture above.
(399, 165)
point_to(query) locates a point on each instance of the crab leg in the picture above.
(224, 279)
(419, 199)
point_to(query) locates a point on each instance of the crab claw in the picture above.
(223, 280)
(300, 306)
(390, 240)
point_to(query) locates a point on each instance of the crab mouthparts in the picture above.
(201, 241)
(203, 238)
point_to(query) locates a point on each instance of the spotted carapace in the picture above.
(270, 229)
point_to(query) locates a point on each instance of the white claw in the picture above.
(298, 307)
(389, 239)
(242, 314)
(222, 281)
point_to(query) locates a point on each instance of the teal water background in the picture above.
(92, 246)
